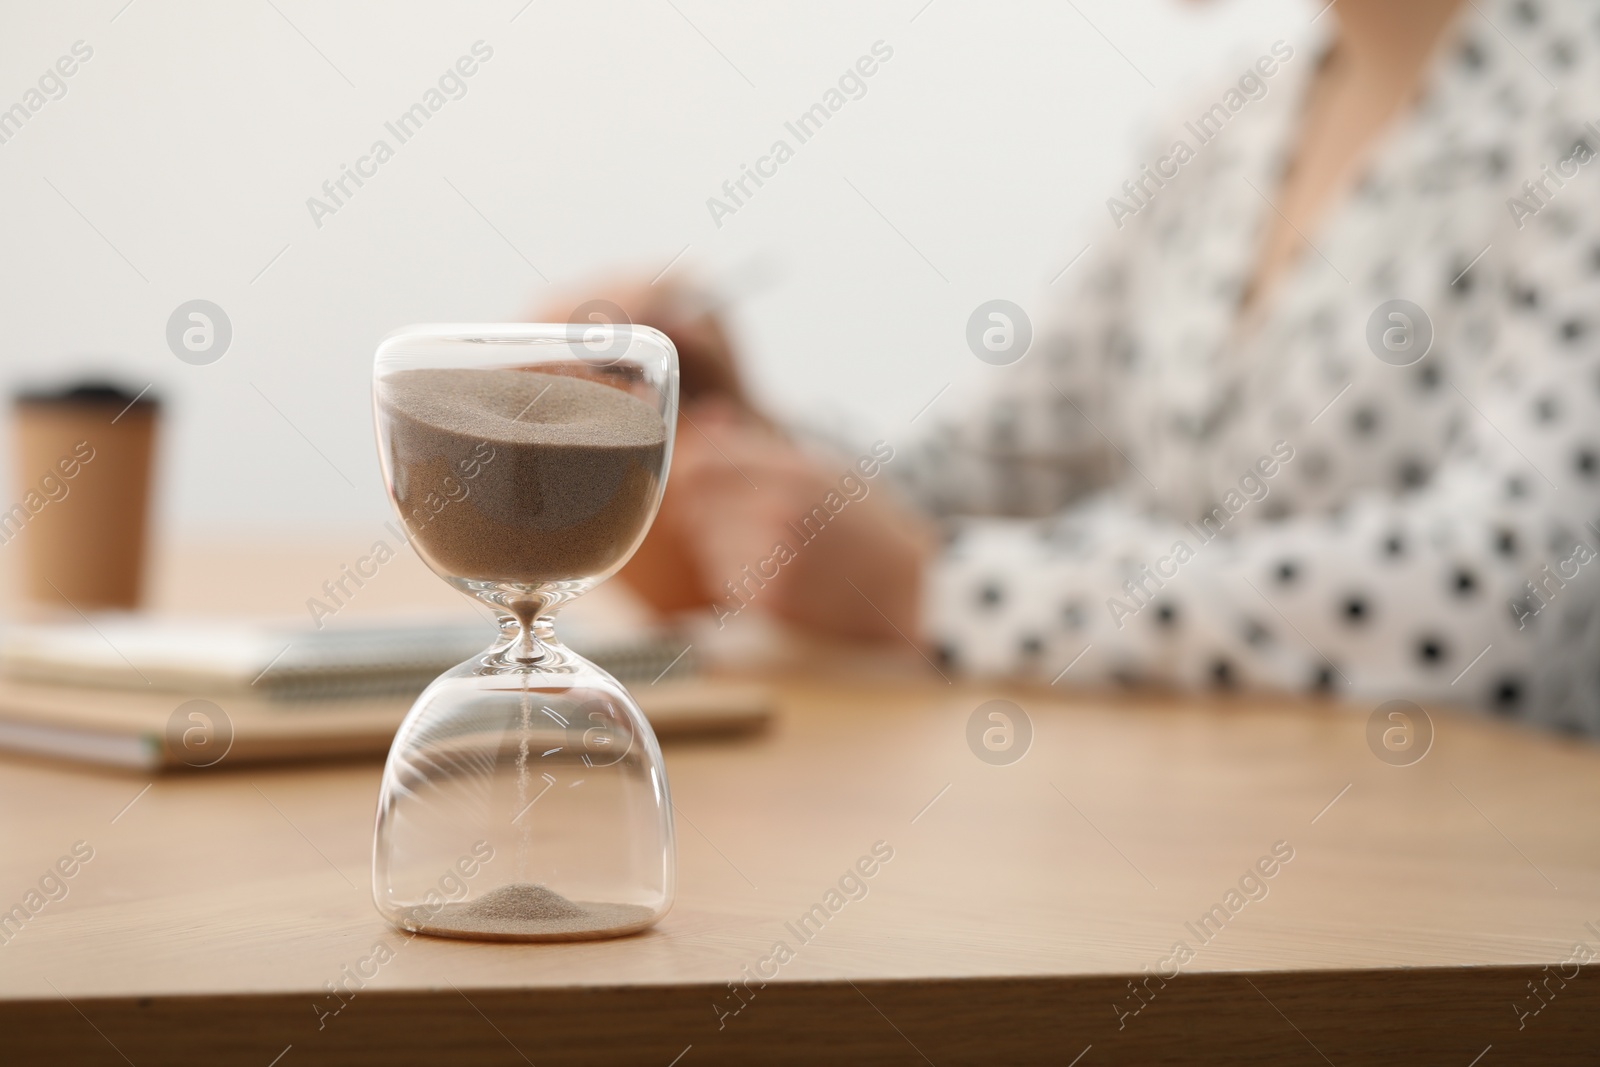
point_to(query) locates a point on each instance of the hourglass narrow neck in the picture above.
(526, 617)
(530, 639)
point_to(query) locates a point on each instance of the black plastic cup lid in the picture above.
(96, 393)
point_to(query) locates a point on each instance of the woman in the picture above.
(1228, 466)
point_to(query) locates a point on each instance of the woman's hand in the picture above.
(706, 365)
(752, 512)
(663, 571)
(745, 519)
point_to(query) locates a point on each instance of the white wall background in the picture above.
(592, 139)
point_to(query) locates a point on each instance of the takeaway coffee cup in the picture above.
(80, 498)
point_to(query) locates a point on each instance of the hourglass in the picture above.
(524, 798)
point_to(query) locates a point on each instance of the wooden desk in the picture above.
(1019, 903)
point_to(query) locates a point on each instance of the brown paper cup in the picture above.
(81, 497)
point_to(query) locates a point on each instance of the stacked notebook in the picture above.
(128, 690)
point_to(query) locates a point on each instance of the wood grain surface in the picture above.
(1020, 901)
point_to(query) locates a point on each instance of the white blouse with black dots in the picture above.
(1146, 497)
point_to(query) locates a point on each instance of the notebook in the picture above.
(287, 662)
(109, 690)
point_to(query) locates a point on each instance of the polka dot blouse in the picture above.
(1150, 496)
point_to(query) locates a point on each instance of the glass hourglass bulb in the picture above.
(524, 797)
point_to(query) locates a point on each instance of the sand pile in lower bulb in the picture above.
(523, 911)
